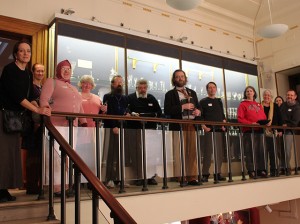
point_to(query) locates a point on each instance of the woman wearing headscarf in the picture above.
(61, 96)
(15, 95)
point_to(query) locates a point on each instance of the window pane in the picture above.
(236, 83)
(90, 58)
(199, 75)
(156, 69)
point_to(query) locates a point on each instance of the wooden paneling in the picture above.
(38, 32)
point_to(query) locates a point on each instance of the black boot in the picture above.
(205, 178)
(220, 177)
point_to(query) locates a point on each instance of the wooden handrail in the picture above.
(165, 120)
(99, 187)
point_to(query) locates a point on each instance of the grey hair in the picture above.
(141, 82)
(86, 78)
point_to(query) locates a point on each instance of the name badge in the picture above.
(150, 104)
(210, 104)
(289, 110)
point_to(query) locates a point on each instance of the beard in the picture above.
(118, 90)
(180, 83)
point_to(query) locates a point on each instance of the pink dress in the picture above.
(65, 97)
(91, 105)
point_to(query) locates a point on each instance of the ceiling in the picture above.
(234, 8)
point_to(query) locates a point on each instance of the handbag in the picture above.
(15, 121)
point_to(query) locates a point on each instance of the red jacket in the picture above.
(250, 112)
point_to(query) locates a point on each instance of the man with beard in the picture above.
(290, 111)
(212, 110)
(182, 103)
(141, 104)
(117, 104)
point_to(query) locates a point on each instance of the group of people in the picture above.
(58, 94)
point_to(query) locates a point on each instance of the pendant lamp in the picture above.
(272, 30)
(183, 4)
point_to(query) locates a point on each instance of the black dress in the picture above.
(14, 84)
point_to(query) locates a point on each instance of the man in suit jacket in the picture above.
(182, 103)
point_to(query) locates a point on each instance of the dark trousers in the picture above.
(112, 161)
(208, 151)
(258, 151)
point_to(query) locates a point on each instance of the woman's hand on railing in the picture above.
(116, 130)
(103, 108)
(44, 111)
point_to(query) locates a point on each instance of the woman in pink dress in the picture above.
(92, 104)
(61, 96)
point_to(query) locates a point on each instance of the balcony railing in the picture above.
(157, 149)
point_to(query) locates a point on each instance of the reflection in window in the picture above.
(102, 61)
(156, 69)
(199, 75)
(236, 83)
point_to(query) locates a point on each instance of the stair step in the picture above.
(40, 220)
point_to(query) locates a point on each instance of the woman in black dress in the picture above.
(15, 84)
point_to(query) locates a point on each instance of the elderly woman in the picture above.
(60, 95)
(18, 98)
(91, 103)
(250, 112)
(273, 114)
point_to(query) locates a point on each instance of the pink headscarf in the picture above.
(58, 70)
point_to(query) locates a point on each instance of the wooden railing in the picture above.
(118, 213)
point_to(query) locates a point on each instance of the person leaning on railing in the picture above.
(273, 114)
(250, 112)
(290, 111)
(15, 95)
(61, 96)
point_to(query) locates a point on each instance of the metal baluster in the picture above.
(51, 215)
(63, 187)
(198, 155)
(165, 185)
(295, 153)
(242, 153)
(276, 171)
(265, 154)
(253, 153)
(70, 191)
(121, 153)
(145, 188)
(182, 157)
(228, 155)
(77, 195)
(41, 195)
(215, 155)
(95, 197)
(287, 173)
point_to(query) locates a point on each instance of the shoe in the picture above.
(152, 181)
(6, 196)
(251, 174)
(193, 183)
(205, 178)
(110, 184)
(220, 177)
(263, 174)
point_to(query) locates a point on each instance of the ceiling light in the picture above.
(183, 4)
(272, 30)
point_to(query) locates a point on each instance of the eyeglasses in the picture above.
(65, 69)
